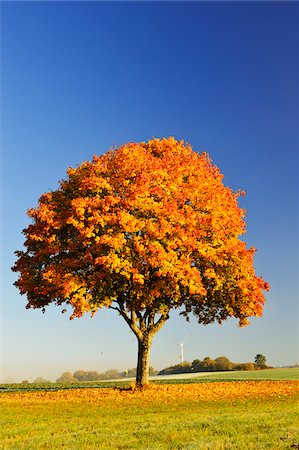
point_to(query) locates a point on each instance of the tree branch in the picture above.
(131, 321)
(158, 325)
(114, 307)
(133, 325)
(146, 323)
(151, 318)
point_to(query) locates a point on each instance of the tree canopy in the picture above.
(260, 361)
(142, 229)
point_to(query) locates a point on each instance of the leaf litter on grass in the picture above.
(166, 393)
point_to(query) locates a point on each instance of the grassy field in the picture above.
(240, 414)
(255, 375)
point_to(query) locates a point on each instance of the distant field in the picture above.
(202, 415)
(201, 377)
(267, 374)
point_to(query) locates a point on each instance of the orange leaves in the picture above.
(210, 273)
(151, 223)
(128, 222)
(137, 277)
(201, 392)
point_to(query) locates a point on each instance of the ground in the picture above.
(190, 414)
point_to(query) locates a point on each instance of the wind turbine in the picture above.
(181, 344)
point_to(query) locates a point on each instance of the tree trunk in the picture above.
(144, 346)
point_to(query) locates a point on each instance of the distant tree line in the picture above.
(222, 363)
(93, 375)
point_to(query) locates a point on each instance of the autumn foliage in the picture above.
(142, 229)
(166, 393)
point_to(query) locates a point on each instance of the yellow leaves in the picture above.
(95, 183)
(243, 322)
(196, 288)
(115, 264)
(79, 205)
(70, 285)
(116, 241)
(128, 222)
(138, 278)
(210, 273)
(36, 237)
(230, 310)
(168, 393)
(49, 274)
(71, 171)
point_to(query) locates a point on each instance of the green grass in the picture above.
(17, 387)
(254, 375)
(267, 374)
(252, 424)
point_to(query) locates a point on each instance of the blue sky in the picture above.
(79, 78)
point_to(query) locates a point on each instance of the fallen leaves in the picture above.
(200, 392)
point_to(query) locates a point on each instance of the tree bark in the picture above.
(144, 346)
(144, 327)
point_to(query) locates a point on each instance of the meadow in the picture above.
(257, 410)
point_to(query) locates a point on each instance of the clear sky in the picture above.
(79, 78)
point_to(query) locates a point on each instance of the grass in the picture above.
(35, 420)
(267, 374)
(254, 375)
(253, 424)
(16, 387)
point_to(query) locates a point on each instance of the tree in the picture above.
(130, 373)
(208, 364)
(152, 371)
(222, 363)
(197, 365)
(66, 377)
(260, 361)
(80, 375)
(40, 380)
(110, 374)
(143, 229)
(92, 375)
(244, 366)
(183, 367)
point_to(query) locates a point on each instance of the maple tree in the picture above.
(143, 229)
